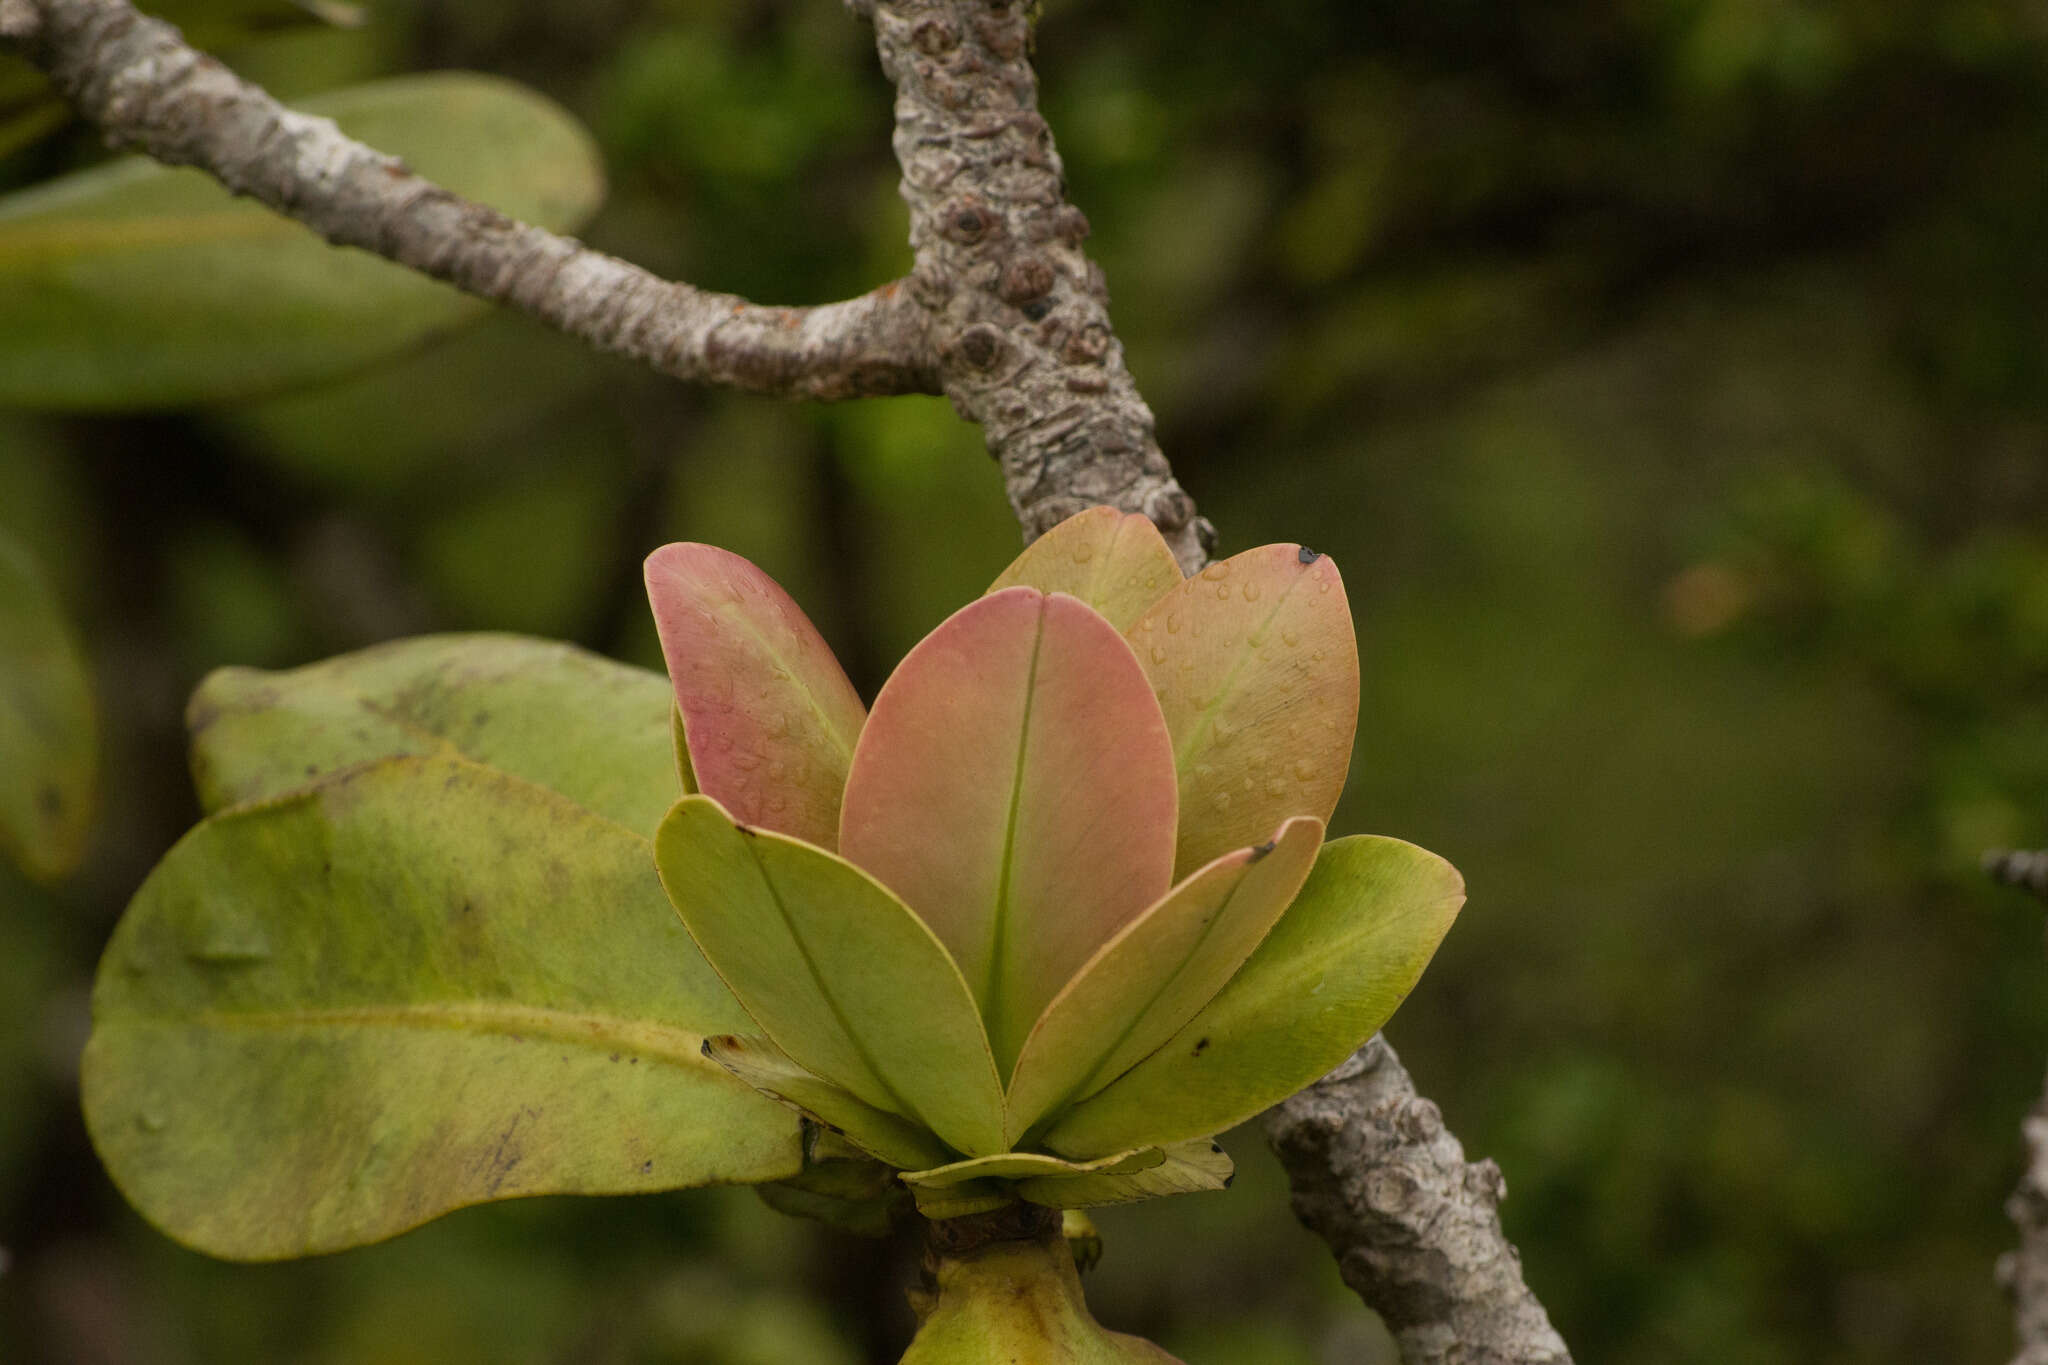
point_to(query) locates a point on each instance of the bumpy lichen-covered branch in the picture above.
(1415, 1227)
(1020, 315)
(146, 88)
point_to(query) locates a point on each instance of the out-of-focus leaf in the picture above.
(835, 970)
(1256, 667)
(1153, 977)
(1331, 972)
(49, 743)
(579, 724)
(1116, 562)
(137, 285)
(769, 717)
(857, 1196)
(420, 985)
(1014, 785)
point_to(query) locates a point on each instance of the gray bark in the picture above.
(1414, 1226)
(2023, 1273)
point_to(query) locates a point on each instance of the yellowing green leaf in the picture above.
(1030, 1165)
(1256, 668)
(769, 720)
(1014, 785)
(420, 985)
(1193, 1167)
(1116, 562)
(593, 730)
(884, 1136)
(49, 743)
(1332, 971)
(139, 285)
(835, 970)
(1154, 976)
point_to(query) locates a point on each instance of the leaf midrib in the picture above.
(595, 1030)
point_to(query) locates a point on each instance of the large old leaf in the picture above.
(835, 970)
(581, 725)
(768, 716)
(1116, 562)
(1256, 667)
(137, 285)
(1014, 785)
(49, 744)
(420, 985)
(1332, 971)
(1154, 976)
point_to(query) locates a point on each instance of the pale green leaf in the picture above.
(1030, 1165)
(1154, 976)
(49, 742)
(1332, 971)
(835, 970)
(1116, 562)
(884, 1136)
(579, 724)
(139, 285)
(1193, 1167)
(419, 985)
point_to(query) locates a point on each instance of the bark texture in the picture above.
(1020, 316)
(2024, 1273)
(1004, 314)
(146, 88)
(1415, 1227)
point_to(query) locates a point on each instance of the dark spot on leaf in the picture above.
(1306, 555)
(615, 1056)
(632, 1061)
(49, 801)
(1261, 850)
(1201, 1046)
(312, 769)
(646, 1167)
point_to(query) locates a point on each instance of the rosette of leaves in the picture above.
(1022, 938)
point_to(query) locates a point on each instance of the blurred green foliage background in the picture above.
(1670, 380)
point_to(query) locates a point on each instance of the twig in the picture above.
(1414, 1226)
(2024, 1273)
(146, 88)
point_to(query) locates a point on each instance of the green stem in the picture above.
(1001, 1289)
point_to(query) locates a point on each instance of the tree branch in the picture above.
(2024, 1273)
(146, 88)
(1020, 317)
(1415, 1227)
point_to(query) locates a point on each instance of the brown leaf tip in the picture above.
(1261, 850)
(1306, 555)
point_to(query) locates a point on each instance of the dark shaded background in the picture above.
(1670, 380)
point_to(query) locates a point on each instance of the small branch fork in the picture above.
(1005, 315)
(138, 80)
(2023, 1273)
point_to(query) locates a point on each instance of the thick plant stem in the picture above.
(1001, 1289)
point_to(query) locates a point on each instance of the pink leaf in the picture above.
(1015, 787)
(768, 715)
